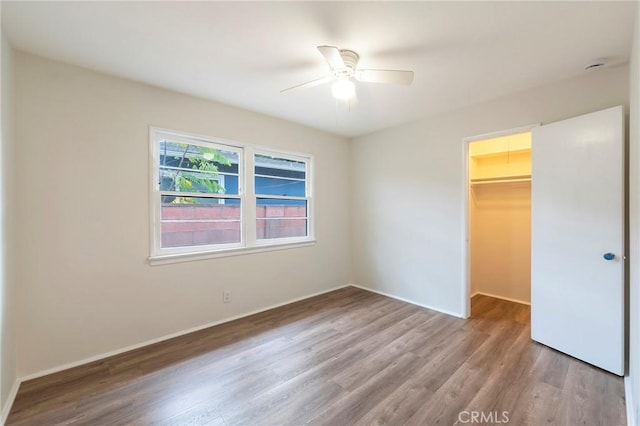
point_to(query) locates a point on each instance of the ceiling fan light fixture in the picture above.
(344, 72)
(343, 89)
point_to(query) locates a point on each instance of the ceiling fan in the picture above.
(343, 64)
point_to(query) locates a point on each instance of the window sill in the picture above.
(190, 257)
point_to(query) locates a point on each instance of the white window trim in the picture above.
(246, 193)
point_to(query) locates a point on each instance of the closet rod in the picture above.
(522, 178)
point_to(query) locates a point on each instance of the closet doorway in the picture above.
(557, 241)
(499, 217)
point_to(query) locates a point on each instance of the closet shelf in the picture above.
(504, 179)
(501, 153)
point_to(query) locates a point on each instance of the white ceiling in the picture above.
(244, 53)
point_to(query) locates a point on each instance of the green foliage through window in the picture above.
(183, 158)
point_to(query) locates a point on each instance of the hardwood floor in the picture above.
(346, 357)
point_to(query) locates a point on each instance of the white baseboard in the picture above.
(167, 337)
(9, 403)
(402, 299)
(495, 296)
(628, 402)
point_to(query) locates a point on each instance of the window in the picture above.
(218, 197)
(281, 197)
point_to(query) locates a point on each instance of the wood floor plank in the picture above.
(296, 403)
(361, 400)
(362, 334)
(398, 407)
(614, 402)
(195, 416)
(345, 357)
(538, 405)
(508, 380)
(584, 393)
(552, 367)
(452, 397)
(441, 366)
(378, 359)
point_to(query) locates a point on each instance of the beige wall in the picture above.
(7, 279)
(416, 250)
(82, 167)
(500, 240)
(634, 217)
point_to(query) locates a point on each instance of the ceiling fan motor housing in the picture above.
(350, 58)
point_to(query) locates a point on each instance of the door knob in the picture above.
(609, 256)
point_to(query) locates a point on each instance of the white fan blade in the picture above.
(333, 57)
(311, 83)
(385, 76)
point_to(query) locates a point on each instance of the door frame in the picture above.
(465, 303)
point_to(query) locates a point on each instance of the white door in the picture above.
(577, 228)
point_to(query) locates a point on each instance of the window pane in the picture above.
(194, 221)
(280, 218)
(284, 187)
(279, 176)
(193, 168)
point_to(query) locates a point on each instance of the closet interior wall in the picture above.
(500, 217)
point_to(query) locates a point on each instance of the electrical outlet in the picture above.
(226, 296)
